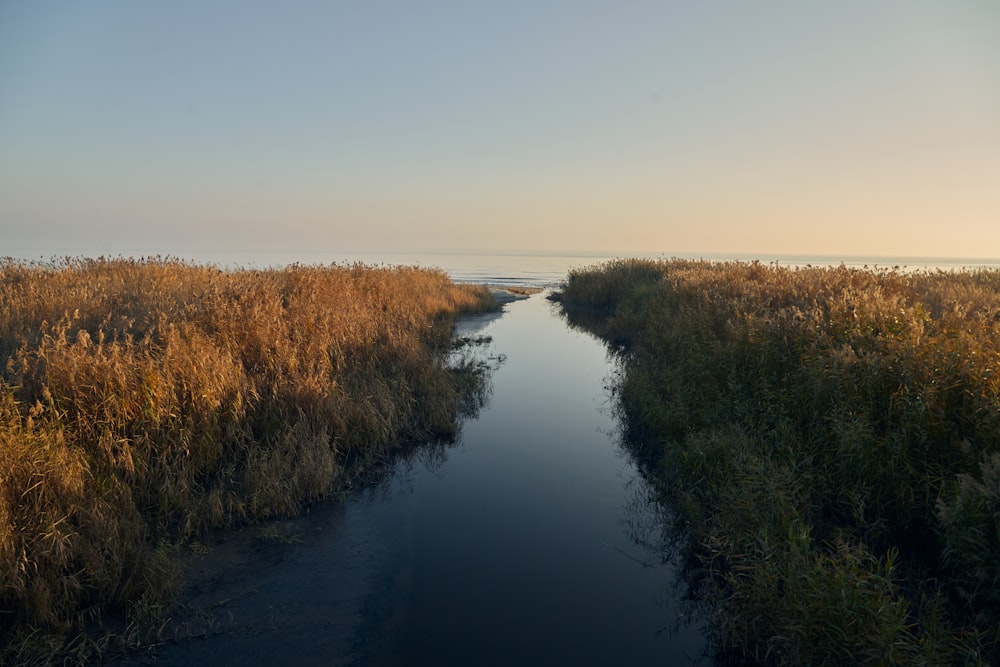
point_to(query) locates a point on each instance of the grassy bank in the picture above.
(145, 402)
(831, 438)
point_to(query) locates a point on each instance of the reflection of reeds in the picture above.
(142, 402)
(832, 436)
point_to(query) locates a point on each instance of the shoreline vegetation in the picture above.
(830, 440)
(146, 402)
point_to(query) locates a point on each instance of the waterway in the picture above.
(532, 540)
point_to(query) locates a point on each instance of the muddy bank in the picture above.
(274, 590)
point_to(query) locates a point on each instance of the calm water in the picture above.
(519, 545)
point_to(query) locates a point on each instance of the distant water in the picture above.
(549, 269)
(537, 269)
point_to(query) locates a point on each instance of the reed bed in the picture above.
(831, 439)
(144, 402)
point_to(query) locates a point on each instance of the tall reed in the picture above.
(832, 438)
(143, 402)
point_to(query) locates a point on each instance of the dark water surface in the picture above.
(519, 545)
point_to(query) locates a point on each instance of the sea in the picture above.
(548, 270)
(541, 269)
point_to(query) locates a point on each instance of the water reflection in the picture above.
(660, 535)
(654, 527)
(472, 361)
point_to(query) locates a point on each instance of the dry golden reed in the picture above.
(145, 401)
(832, 439)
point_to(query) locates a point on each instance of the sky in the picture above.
(858, 127)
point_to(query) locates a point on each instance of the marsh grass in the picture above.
(144, 402)
(831, 437)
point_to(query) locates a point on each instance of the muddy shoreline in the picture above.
(262, 587)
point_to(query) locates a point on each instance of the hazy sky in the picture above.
(852, 126)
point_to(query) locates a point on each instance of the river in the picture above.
(521, 544)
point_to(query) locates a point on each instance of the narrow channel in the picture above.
(517, 545)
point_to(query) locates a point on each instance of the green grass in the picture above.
(143, 403)
(831, 437)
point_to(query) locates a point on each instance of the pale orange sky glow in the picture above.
(776, 127)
